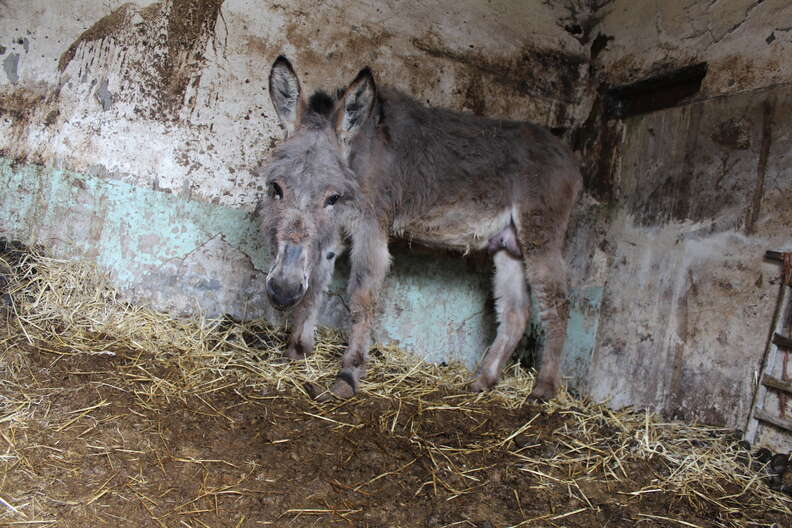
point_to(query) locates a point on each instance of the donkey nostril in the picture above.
(283, 296)
(270, 288)
(275, 290)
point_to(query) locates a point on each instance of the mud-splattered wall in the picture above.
(171, 95)
(130, 132)
(688, 198)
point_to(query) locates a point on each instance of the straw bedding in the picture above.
(116, 414)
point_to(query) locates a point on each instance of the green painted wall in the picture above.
(186, 256)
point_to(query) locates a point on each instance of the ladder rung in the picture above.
(775, 383)
(783, 423)
(782, 341)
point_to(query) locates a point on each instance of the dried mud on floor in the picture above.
(115, 415)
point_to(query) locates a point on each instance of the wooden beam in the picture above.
(777, 384)
(783, 423)
(782, 341)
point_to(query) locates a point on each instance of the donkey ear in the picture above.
(286, 94)
(357, 104)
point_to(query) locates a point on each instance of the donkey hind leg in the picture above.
(301, 339)
(513, 307)
(547, 275)
(370, 263)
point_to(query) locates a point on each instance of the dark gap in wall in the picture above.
(598, 45)
(475, 261)
(597, 143)
(597, 139)
(655, 93)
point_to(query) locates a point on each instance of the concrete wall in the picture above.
(695, 195)
(129, 132)
(745, 42)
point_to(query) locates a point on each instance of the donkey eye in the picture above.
(276, 192)
(332, 199)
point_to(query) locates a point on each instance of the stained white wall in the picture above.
(170, 98)
(133, 100)
(699, 193)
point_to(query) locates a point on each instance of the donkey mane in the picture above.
(321, 103)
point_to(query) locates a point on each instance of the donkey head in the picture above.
(311, 190)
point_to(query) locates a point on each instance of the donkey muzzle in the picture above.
(282, 296)
(287, 282)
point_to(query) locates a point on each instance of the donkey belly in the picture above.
(455, 228)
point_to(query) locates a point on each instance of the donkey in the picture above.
(371, 164)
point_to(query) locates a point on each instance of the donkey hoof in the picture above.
(543, 391)
(315, 391)
(480, 385)
(344, 386)
(293, 354)
(297, 351)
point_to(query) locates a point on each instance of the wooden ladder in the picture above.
(773, 373)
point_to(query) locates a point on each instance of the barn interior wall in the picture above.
(129, 133)
(696, 193)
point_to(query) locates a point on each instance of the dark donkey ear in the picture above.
(286, 94)
(356, 106)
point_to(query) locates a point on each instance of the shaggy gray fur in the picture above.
(376, 164)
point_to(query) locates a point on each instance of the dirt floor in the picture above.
(103, 424)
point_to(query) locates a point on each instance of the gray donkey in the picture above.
(371, 164)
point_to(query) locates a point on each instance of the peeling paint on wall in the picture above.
(142, 122)
(163, 249)
(10, 64)
(187, 256)
(689, 301)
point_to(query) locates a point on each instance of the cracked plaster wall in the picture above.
(695, 195)
(745, 42)
(163, 107)
(130, 130)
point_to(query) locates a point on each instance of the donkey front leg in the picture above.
(513, 307)
(370, 261)
(301, 339)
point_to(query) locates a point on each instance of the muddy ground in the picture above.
(114, 415)
(99, 439)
